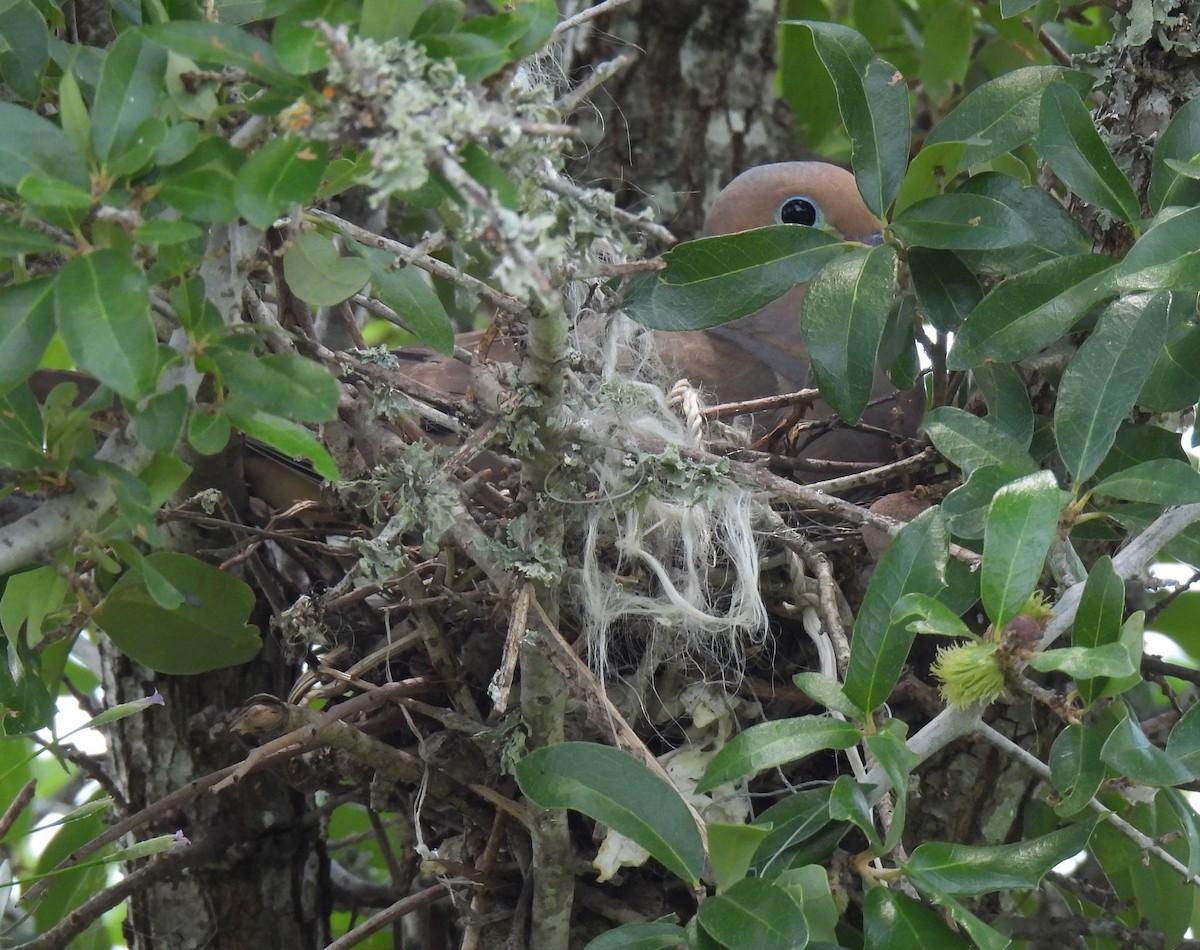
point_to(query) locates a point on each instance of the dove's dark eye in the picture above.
(799, 210)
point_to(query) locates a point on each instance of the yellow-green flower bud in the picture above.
(969, 673)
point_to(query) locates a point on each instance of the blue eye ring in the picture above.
(801, 210)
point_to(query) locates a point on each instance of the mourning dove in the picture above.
(763, 354)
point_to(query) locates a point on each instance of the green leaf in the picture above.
(1069, 143)
(386, 19)
(289, 438)
(946, 288)
(1158, 897)
(873, 100)
(972, 443)
(1160, 482)
(1164, 258)
(26, 328)
(730, 850)
(1030, 311)
(809, 886)
(1175, 379)
(131, 85)
(1003, 114)
(1098, 619)
(961, 222)
(1183, 744)
(983, 936)
(208, 631)
(1076, 769)
(159, 423)
(407, 292)
(655, 936)
(1057, 234)
(102, 304)
(716, 279)
(318, 274)
(475, 56)
(35, 146)
(15, 240)
(755, 913)
(1007, 399)
(946, 45)
(24, 48)
(769, 744)
(1103, 379)
(893, 754)
(201, 185)
(1082, 663)
(1021, 524)
(928, 615)
(219, 44)
(914, 562)
(1181, 141)
(1128, 752)
(22, 433)
(828, 692)
(285, 384)
(792, 822)
(53, 193)
(845, 314)
(612, 787)
(164, 231)
(283, 173)
(848, 802)
(965, 870)
(892, 919)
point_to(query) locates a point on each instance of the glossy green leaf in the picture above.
(656, 936)
(1055, 234)
(1098, 619)
(914, 562)
(972, 443)
(475, 56)
(1174, 381)
(755, 913)
(809, 887)
(1002, 114)
(961, 222)
(713, 280)
(730, 850)
(1076, 769)
(26, 327)
(1030, 311)
(1081, 663)
(1068, 142)
(201, 185)
(288, 437)
(848, 802)
(1021, 524)
(207, 632)
(1159, 482)
(927, 173)
(616, 789)
(35, 146)
(318, 274)
(946, 43)
(159, 423)
(1103, 379)
(892, 919)
(828, 692)
(845, 314)
(1130, 754)
(284, 384)
(407, 292)
(946, 288)
(873, 100)
(131, 86)
(386, 19)
(102, 305)
(1007, 399)
(769, 744)
(283, 173)
(965, 870)
(22, 433)
(1158, 897)
(791, 822)
(890, 750)
(1164, 257)
(928, 615)
(983, 936)
(1183, 744)
(24, 48)
(1180, 140)
(15, 240)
